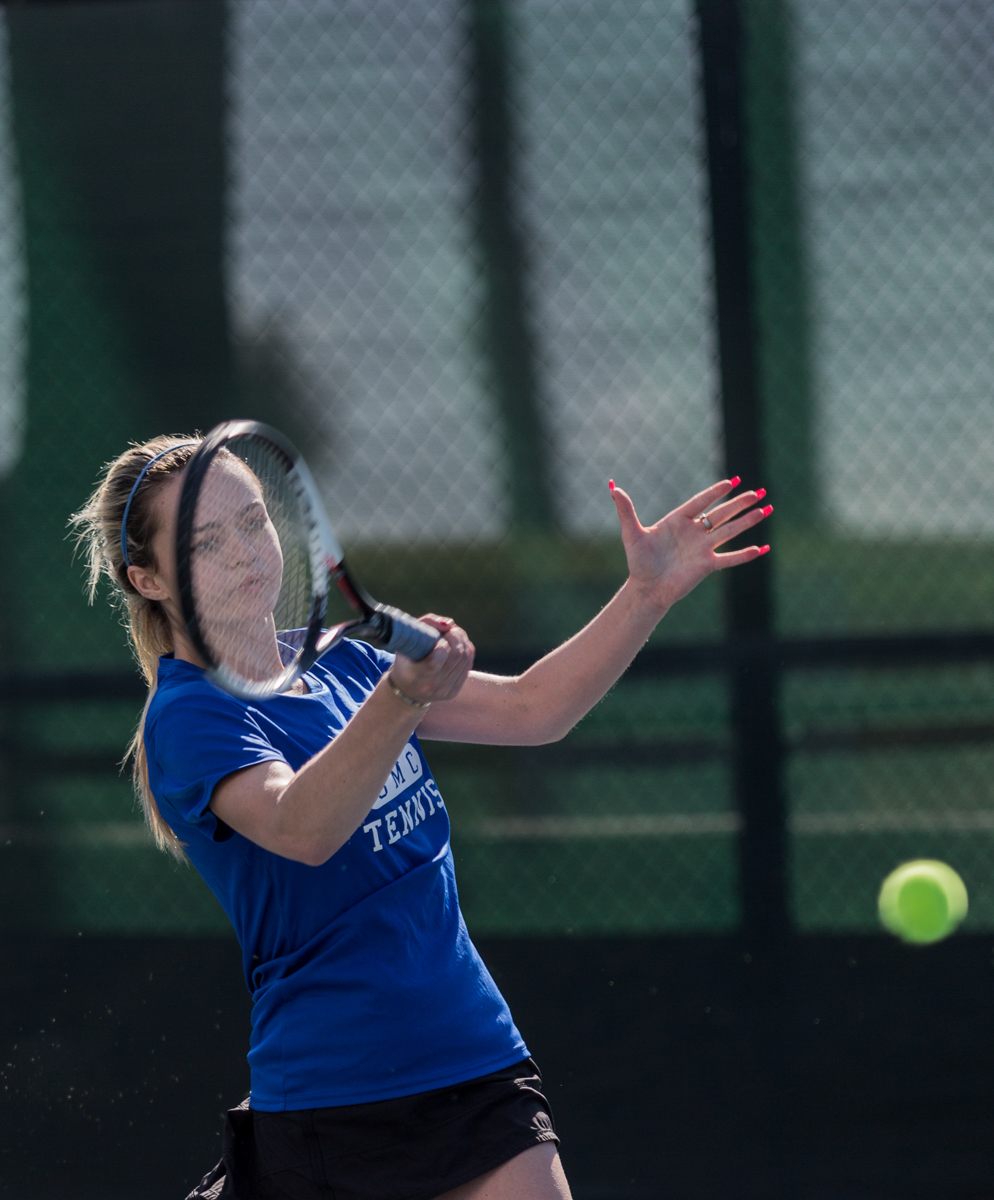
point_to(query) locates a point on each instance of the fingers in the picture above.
(444, 671)
(455, 651)
(693, 507)
(737, 557)
(456, 667)
(461, 652)
(730, 519)
(630, 524)
(735, 505)
(703, 500)
(434, 662)
(732, 529)
(442, 624)
(453, 655)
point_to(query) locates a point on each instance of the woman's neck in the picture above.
(254, 655)
(183, 649)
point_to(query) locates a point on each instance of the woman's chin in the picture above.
(249, 623)
(255, 602)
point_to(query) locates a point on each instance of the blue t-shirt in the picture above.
(365, 983)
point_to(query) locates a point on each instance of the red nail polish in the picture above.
(610, 484)
(767, 510)
(736, 481)
(761, 493)
(764, 549)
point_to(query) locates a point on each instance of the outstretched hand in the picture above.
(669, 559)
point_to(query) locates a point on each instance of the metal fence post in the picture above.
(779, 261)
(758, 753)
(509, 341)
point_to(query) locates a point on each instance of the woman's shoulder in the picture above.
(184, 691)
(352, 657)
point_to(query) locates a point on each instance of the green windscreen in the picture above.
(461, 254)
(893, 119)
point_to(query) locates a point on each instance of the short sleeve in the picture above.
(193, 741)
(379, 660)
(354, 665)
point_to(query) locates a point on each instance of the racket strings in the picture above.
(252, 582)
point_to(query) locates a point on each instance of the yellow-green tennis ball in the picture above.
(922, 901)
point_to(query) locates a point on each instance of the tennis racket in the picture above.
(263, 586)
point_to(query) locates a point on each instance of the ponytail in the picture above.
(98, 533)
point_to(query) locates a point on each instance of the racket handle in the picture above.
(402, 634)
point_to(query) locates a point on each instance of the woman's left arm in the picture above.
(665, 562)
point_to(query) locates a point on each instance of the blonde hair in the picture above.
(98, 533)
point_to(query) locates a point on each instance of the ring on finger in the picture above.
(706, 522)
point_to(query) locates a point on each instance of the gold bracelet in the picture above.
(402, 696)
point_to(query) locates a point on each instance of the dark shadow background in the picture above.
(672, 1070)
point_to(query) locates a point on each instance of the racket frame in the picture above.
(376, 623)
(324, 555)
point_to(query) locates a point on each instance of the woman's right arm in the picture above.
(308, 814)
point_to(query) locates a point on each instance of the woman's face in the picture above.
(236, 561)
(235, 557)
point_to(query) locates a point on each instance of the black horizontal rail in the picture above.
(696, 749)
(825, 653)
(690, 658)
(859, 739)
(114, 684)
(578, 755)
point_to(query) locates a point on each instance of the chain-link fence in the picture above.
(895, 156)
(303, 238)
(355, 177)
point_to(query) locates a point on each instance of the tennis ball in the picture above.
(922, 901)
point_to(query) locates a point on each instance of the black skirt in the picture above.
(412, 1148)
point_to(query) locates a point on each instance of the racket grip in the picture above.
(406, 635)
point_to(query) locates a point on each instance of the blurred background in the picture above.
(477, 257)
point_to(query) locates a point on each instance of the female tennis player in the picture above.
(384, 1062)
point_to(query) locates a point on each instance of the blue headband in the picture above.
(131, 496)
